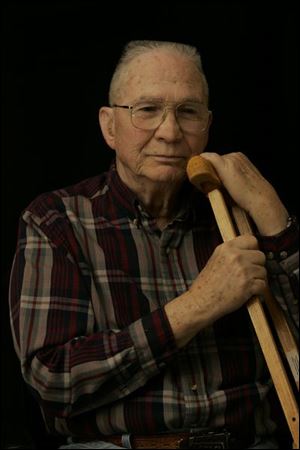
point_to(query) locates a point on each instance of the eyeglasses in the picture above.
(149, 115)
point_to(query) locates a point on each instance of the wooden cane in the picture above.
(281, 326)
(202, 175)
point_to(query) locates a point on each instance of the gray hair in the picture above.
(137, 48)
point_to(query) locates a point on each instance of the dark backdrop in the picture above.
(57, 59)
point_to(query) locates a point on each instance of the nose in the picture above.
(169, 128)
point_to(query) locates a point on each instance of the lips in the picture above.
(167, 156)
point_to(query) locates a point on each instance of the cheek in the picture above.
(129, 141)
(198, 144)
(129, 146)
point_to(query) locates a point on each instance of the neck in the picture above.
(159, 199)
(160, 204)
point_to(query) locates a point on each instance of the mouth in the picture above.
(167, 158)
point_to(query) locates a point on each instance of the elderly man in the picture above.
(126, 307)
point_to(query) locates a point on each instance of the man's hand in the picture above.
(250, 190)
(233, 274)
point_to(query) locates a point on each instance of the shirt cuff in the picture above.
(154, 341)
(281, 245)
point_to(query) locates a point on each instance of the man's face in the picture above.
(159, 155)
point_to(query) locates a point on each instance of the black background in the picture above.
(57, 58)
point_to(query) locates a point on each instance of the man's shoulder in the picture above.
(58, 200)
(89, 188)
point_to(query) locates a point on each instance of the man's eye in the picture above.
(187, 109)
(147, 108)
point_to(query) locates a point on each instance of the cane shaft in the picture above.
(281, 326)
(261, 326)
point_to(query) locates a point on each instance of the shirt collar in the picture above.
(125, 199)
(129, 205)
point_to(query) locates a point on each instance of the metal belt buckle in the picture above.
(207, 440)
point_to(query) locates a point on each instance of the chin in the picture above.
(167, 174)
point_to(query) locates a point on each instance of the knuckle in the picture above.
(231, 244)
(247, 240)
(252, 241)
(237, 259)
(258, 287)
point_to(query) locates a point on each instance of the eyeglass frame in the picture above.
(165, 105)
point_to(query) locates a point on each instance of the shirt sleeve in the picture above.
(71, 366)
(282, 261)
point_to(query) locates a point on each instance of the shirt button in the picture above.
(194, 388)
(270, 255)
(283, 254)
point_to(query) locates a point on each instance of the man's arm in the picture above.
(219, 288)
(279, 241)
(70, 362)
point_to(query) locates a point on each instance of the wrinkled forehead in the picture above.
(162, 73)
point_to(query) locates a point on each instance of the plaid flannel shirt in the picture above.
(89, 282)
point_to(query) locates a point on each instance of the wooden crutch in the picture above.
(202, 175)
(286, 338)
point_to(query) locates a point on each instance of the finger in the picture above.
(244, 242)
(216, 160)
(242, 161)
(234, 162)
(257, 287)
(255, 257)
(259, 273)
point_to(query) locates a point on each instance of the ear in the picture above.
(107, 125)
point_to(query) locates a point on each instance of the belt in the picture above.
(203, 439)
